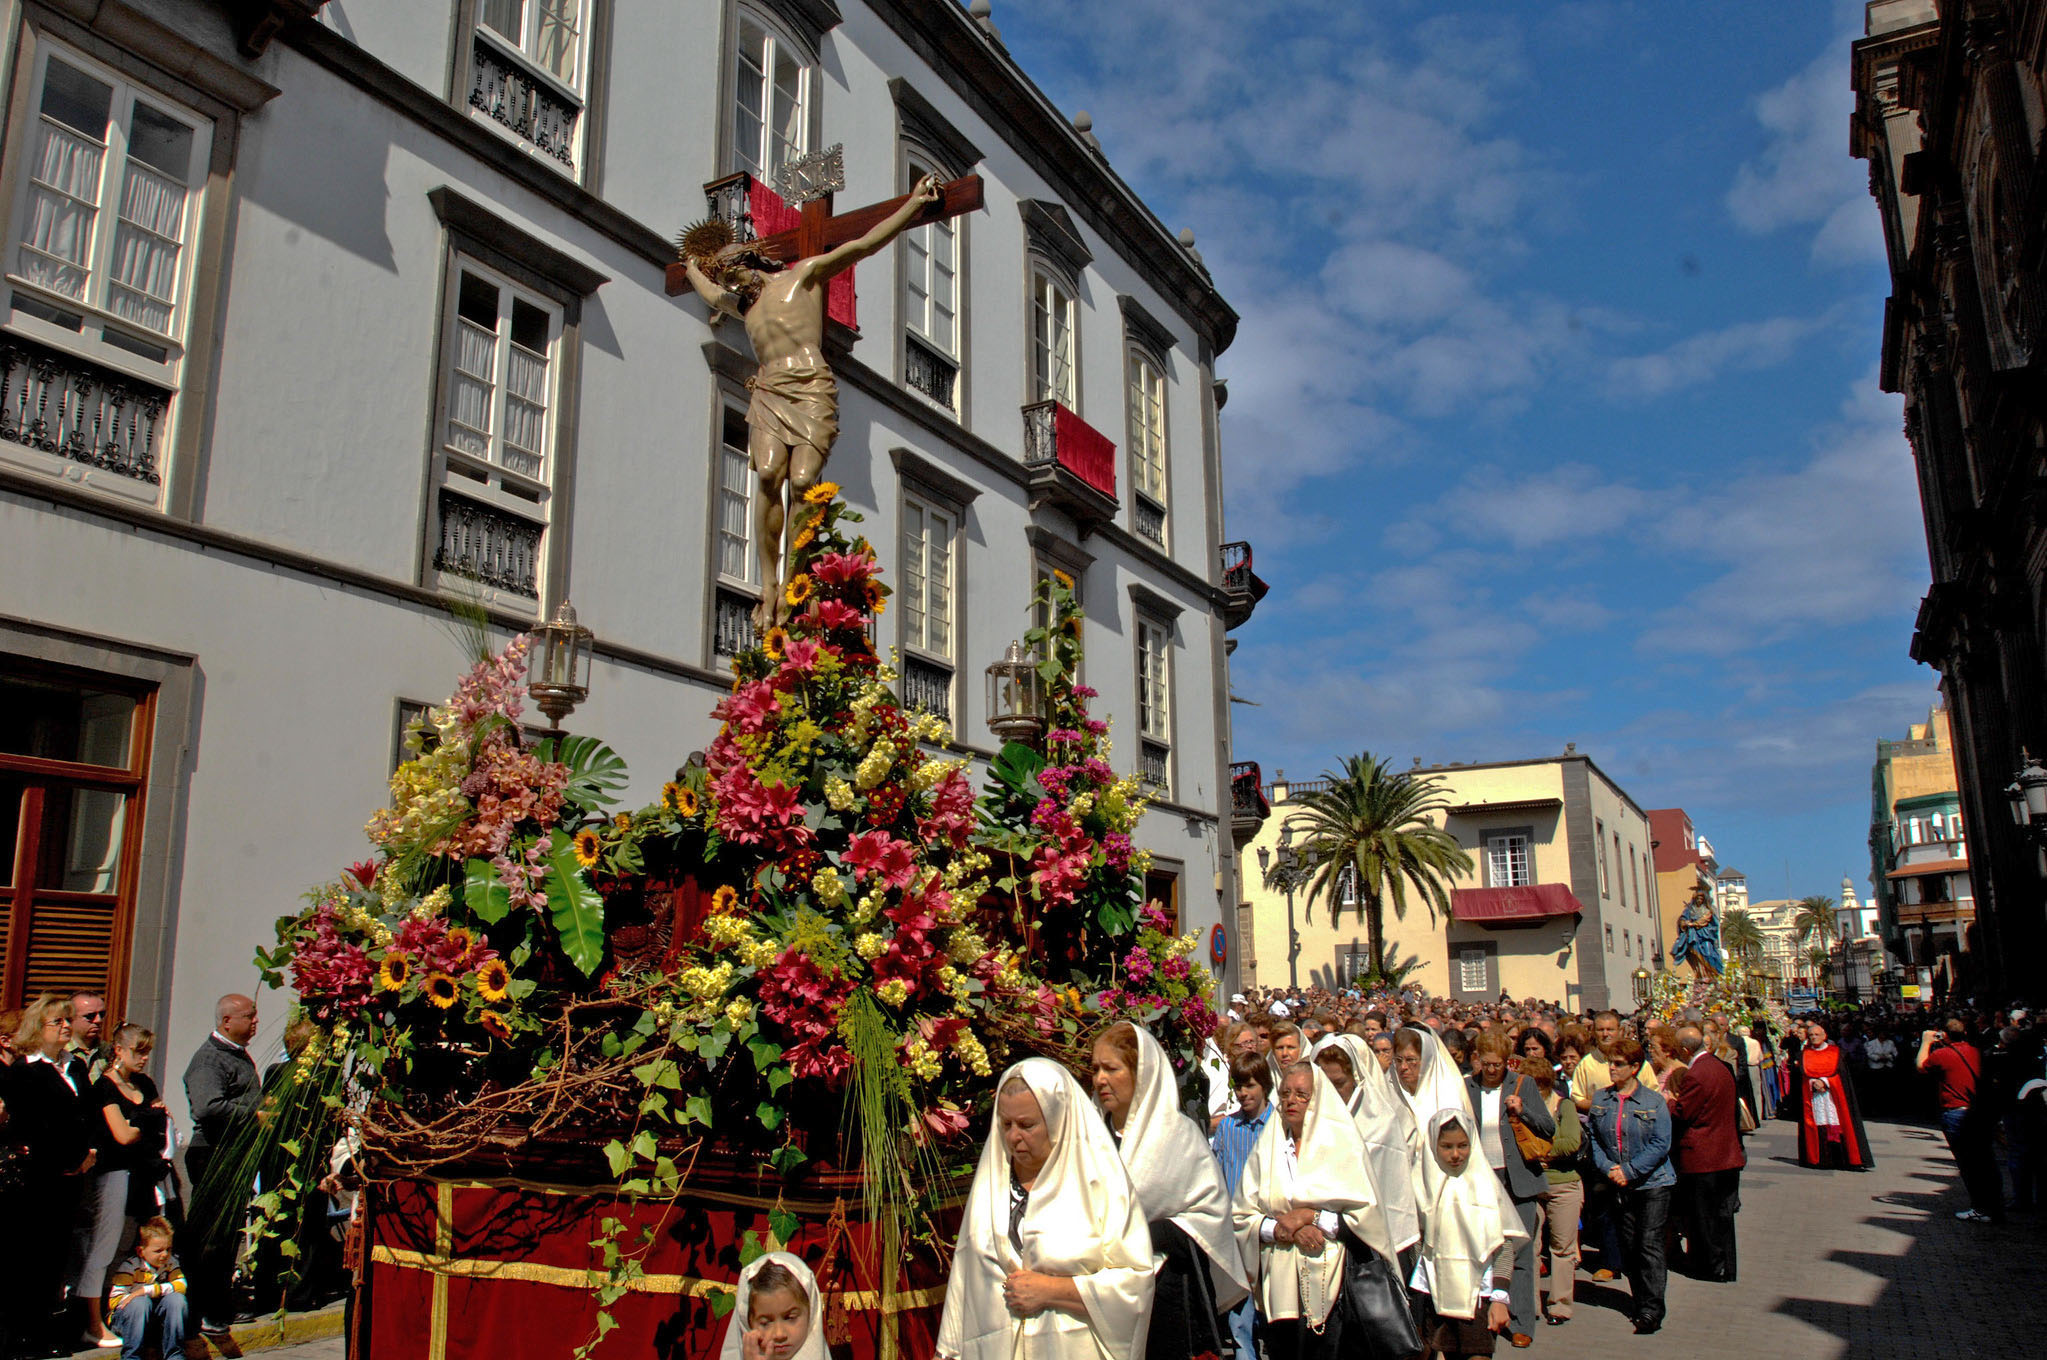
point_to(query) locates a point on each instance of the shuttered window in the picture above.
(73, 755)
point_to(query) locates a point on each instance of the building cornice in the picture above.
(945, 37)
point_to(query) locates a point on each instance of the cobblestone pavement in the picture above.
(1833, 1265)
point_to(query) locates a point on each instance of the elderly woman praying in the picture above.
(1054, 1259)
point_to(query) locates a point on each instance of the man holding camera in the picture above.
(1957, 1066)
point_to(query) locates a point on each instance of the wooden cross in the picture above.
(820, 230)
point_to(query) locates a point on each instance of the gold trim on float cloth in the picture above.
(444, 1243)
(530, 1272)
(795, 1206)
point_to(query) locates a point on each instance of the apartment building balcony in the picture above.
(1071, 464)
(1243, 588)
(1248, 805)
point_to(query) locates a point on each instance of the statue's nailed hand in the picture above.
(927, 190)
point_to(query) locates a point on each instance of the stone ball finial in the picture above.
(982, 12)
(1187, 237)
(1083, 121)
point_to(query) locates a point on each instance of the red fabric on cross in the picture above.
(771, 216)
(1084, 451)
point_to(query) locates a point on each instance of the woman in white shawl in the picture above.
(777, 1315)
(1180, 1190)
(1305, 1213)
(1426, 1079)
(1467, 1254)
(1388, 1129)
(1053, 1261)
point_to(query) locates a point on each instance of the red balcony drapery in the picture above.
(1524, 905)
(1085, 451)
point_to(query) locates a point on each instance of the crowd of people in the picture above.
(1344, 1173)
(92, 1158)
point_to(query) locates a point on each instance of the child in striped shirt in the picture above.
(148, 1287)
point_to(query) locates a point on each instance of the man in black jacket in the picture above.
(1498, 1099)
(222, 1088)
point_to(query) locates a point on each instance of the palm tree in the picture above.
(1815, 916)
(1373, 822)
(1740, 935)
(1816, 957)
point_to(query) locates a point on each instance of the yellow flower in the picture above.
(459, 939)
(495, 1025)
(894, 992)
(798, 589)
(725, 901)
(494, 981)
(394, 972)
(774, 641)
(821, 493)
(1065, 581)
(804, 537)
(441, 990)
(876, 599)
(623, 821)
(588, 847)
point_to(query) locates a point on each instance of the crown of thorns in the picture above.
(711, 241)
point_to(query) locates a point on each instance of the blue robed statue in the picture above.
(1698, 937)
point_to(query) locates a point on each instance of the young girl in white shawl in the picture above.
(1054, 1261)
(1467, 1254)
(1180, 1190)
(1304, 1208)
(777, 1313)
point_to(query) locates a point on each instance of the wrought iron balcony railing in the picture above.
(1151, 521)
(519, 100)
(499, 550)
(732, 623)
(927, 686)
(1247, 794)
(1154, 765)
(1071, 464)
(80, 411)
(926, 370)
(1243, 588)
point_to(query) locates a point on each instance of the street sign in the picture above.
(1802, 1000)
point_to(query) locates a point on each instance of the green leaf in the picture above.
(751, 1248)
(778, 1077)
(723, 1302)
(786, 1158)
(764, 1053)
(487, 899)
(596, 772)
(643, 1145)
(698, 1110)
(784, 1224)
(661, 1072)
(577, 909)
(769, 1114)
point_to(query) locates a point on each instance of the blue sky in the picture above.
(1553, 414)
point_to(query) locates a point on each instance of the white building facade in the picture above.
(322, 315)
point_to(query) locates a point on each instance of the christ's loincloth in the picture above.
(795, 404)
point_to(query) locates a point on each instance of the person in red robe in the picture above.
(1830, 1122)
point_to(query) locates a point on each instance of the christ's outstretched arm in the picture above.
(843, 257)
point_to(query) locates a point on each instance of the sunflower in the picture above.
(877, 598)
(804, 536)
(1065, 581)
(773, 641)
(441, 990)
(725, 901)
(623, 821)
(495, 1025)
(494, 981)
(460, 940)
(394, 972)
(588, 847)
(798, 590)
(686, 801)
(821, 493)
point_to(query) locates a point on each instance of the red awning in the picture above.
(1932, 866)
(1514, 906)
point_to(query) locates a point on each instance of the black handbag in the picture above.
(1378, 1321)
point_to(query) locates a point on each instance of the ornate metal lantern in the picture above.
(1015, 712)
(1641, 976)
(559, 677)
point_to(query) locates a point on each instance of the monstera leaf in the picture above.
(596, 772)
(577, 909)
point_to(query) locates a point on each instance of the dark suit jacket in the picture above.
(1707, 1134)
(1525, 1180)
(221, 1087)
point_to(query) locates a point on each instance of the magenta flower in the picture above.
(837, 569)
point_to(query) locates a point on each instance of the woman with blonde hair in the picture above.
(1053, 1260)
(47, 1113)
(128, 1129)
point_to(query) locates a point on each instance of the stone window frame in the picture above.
(801, 23)
(917, 143)
(1053, 249)
(470, 231)
(1154, 611)
(1485, 839)
(177, 70)
(588, 168)
(920, 479)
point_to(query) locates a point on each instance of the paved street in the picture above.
(1833, 1265)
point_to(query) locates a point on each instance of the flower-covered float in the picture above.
(597, 1059)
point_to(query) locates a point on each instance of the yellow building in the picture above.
(1561, 903)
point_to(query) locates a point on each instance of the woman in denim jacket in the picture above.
(1628, 1128)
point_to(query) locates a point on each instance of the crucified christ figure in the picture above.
(794, 415)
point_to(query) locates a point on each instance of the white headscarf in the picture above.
(1174, 1173)
(1330, 1172)
(1441, 1086)
(1082, 1221)
(1387, 1127)
(813, 1347)
(1465, 1226)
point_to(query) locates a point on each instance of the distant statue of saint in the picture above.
(1698, 937)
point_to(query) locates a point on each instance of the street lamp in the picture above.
(559, 674)
(1014, 711)
(1641, 976)
(1287, 875)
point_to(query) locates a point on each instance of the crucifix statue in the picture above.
(777, 287)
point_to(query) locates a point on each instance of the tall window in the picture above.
(1052, 322)
(1599, 838)
(771, 113)
(927, 597)
(931, 306)
(496, 441)
(1507, 862)
(736, 560)
(1146, 382)
(1635, 878)
(73, 769)
(1471, 970)
(100, 267)
(1154, 703)
(530, 68)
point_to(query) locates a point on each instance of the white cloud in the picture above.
(1562, 504)
(1743, 346)
(1804, 174)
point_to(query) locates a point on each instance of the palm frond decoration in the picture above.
(1372, 827)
